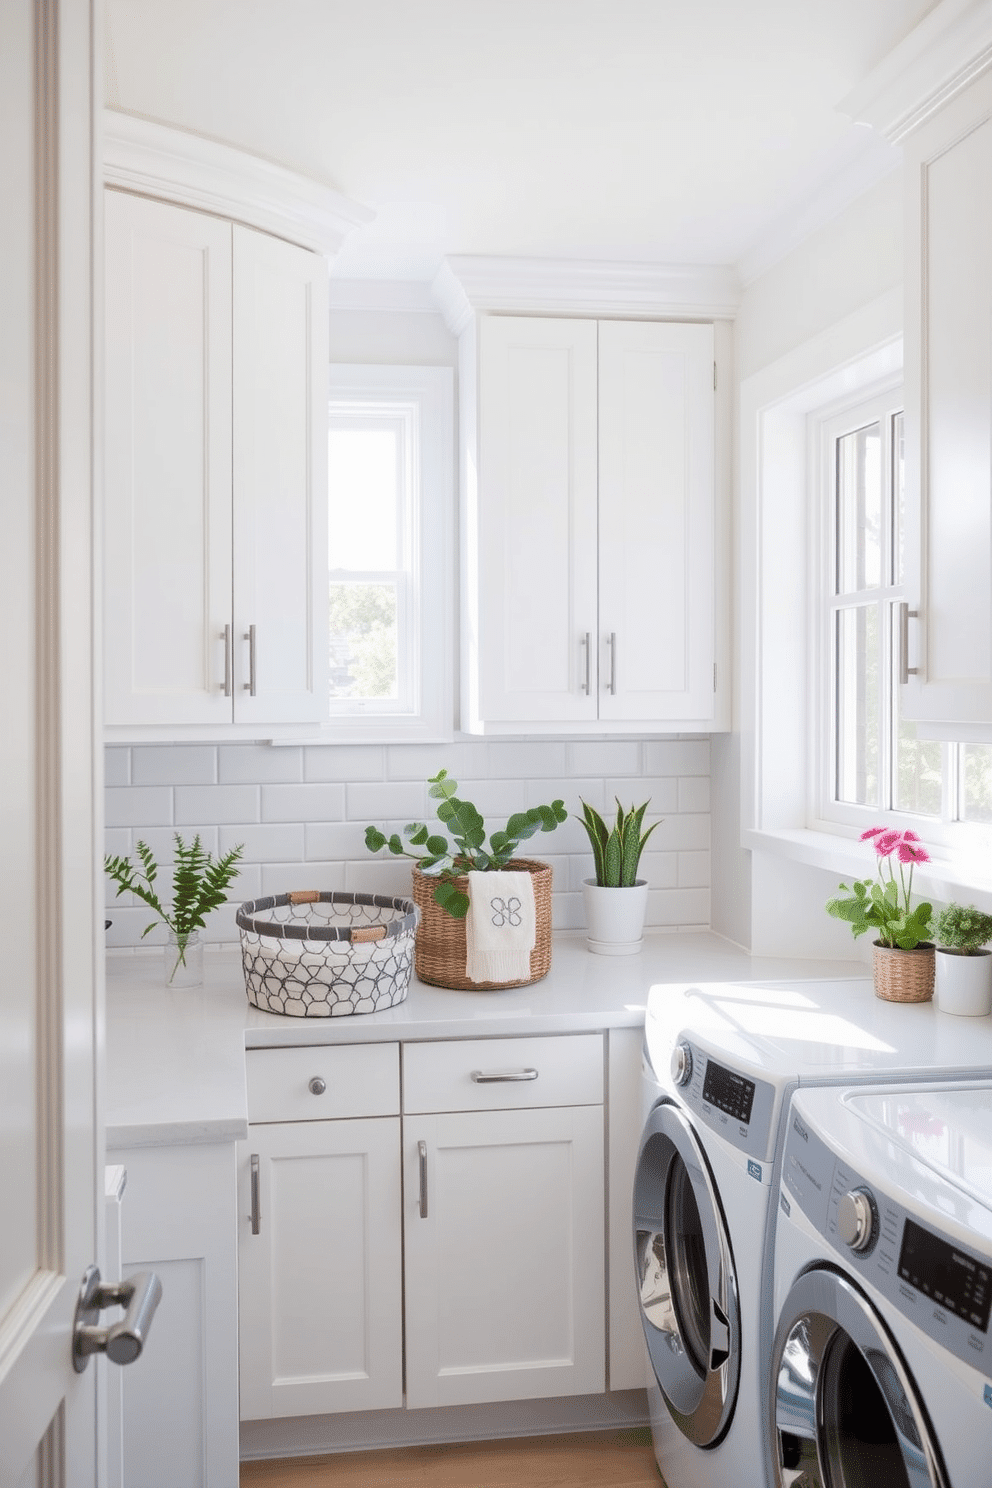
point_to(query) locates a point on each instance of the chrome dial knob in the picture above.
(856, 1219)
(681, 1063)
(317, 1085)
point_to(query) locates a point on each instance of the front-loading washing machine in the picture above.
(721, 1063)
(881, 1364)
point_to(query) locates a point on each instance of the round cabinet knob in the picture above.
(681, 1064)
(856, 1217)
(318, 1085)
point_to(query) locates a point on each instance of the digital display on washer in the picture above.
(728, 1091)
(941, 1271)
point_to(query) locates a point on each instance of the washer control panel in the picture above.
(943, 1287)
(734, 1105)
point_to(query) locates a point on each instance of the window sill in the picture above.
(949, 876)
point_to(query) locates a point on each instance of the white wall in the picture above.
(777, 906)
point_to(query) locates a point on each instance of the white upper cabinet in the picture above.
(949, 415)
(215, 518)
(589, 505)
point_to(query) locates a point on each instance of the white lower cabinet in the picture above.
(491, 1225)
(319, 1245)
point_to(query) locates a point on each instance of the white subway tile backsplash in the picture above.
(513, 759)
(334, 840)
(694, 793)
(280, 842)
(306, 803)
(116, 766)
(609, 757)
(677, 757)
(174, 764)
(301, 813)
(138, 806)
(198, 805)
(288, 878)
(343, 762)
(255, 764)
(387, 800)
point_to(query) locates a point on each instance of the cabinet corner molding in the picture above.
(175, 165)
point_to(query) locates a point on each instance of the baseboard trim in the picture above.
(358, 1431)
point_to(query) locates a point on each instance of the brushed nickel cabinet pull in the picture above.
(228, 660)
(497, 1077)
(613, 663)
(586, 643)
(422, 1155)
(251, 684)
(256, 1197)
(905, 615)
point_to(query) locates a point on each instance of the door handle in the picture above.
(256, 1198)
(613, 663)
(124, 1340)
(226, 637)
(499, 1076)
(250, 685)
(586, 643)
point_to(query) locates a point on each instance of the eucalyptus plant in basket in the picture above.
(199, 884)
(438, 858)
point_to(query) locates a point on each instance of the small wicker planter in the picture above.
(441, 951)
(903, 976)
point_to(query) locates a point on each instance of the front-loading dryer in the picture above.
(881, 1363)
(722, 1061)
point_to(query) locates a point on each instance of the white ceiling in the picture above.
(677, 131)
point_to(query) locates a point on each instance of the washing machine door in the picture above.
(686, 1278)
(845, 1411)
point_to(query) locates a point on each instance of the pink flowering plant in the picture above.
(883, 903)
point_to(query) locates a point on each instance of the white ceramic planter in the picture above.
(964, 983)
(615, 917)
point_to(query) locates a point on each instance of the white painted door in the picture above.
(167, 514)
(505, 1282)
(50, 1153)
(533, 618)
(280, 481)
(948, 357)
(656, 522)
(320, 1269)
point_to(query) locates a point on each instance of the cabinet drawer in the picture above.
(499, 1074)
(358, 1079)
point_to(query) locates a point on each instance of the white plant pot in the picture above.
(964, 983)
(615, 917)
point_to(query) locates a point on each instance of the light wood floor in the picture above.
(596, 1459)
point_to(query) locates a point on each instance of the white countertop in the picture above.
(175, 1057)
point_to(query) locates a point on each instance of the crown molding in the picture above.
(948, 49)
(466, 284)
(175, 165)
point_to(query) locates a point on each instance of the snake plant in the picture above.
(617, 851)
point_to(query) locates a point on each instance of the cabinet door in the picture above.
(656, 522)
(280, 481)
(532, 533)
(180, 1399)
(949, 412)
(167, 514)
(504, 1255)
(320, 1283)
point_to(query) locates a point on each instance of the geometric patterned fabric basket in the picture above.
(314, 955)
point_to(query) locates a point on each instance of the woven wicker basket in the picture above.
(441, 952)
(903, 976)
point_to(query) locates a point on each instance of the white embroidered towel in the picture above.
(501, 926)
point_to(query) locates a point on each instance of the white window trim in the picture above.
(778, 658)
(431, 389)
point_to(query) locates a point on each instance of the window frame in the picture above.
(424, 396)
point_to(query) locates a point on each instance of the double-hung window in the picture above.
(872, 764)
(390, 559)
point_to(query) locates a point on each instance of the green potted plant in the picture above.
(199, 884)
(616, 899)
(964, 966)
(440, 885)
(902, 952)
